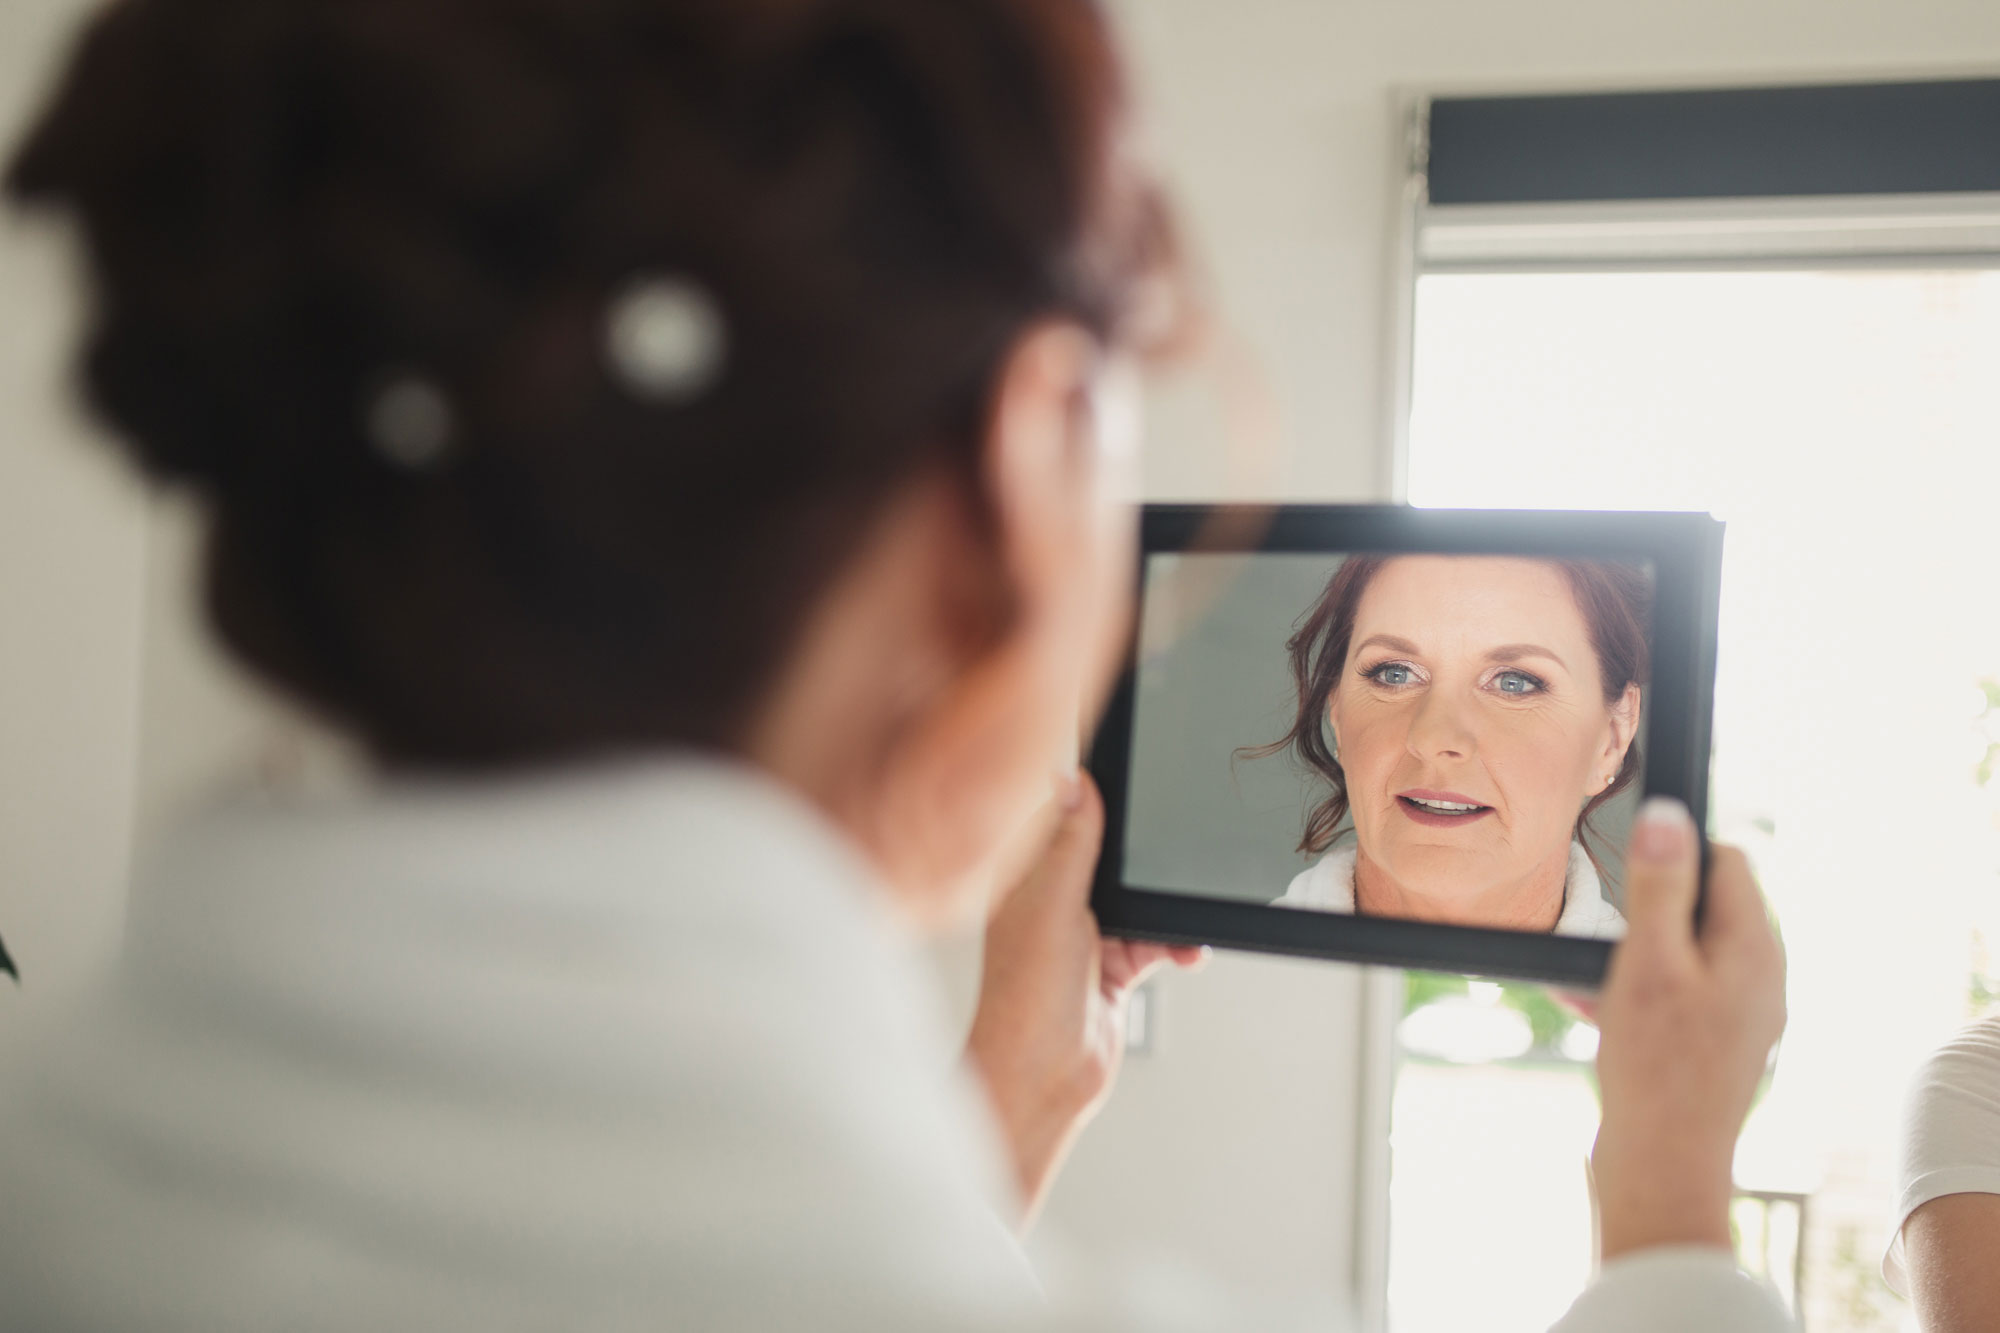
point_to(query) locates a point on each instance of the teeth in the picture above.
(1443, 807)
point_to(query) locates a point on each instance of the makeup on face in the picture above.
(1435, 809)
(1470, 722)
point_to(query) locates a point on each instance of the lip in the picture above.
(1406, 801)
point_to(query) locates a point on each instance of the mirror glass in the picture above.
(1449, 738)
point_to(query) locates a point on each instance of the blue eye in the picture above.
(1517, 682)
(1393, 673)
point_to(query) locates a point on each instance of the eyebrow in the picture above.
(1506, 652)
(1389, 641)
(1514, 652)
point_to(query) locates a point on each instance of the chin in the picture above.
(1439, 870)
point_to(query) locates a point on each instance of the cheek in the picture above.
(1544, 763)
(1063, 665)
(1108, 619)
(1118, 411)
(1373, 737)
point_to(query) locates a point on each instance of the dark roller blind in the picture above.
(1864, 138)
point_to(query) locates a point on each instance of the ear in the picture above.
(1624, 727)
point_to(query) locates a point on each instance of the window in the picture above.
(1825, 376)
(1843, 422)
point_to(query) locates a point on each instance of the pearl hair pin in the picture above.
(666, 339)
(410, 423)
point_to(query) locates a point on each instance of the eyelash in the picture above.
(1540, 686)
(1374, 674)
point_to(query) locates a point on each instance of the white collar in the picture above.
(1328, 886)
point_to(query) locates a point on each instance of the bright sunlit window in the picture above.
(1844, 423)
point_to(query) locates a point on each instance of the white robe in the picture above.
(1328, 886)
(636, 1049)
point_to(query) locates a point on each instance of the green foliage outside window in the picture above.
(1549, 1021)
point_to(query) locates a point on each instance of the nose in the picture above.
(1441, 729)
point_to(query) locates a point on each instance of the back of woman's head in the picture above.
(540, 361)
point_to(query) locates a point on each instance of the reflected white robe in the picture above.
(1328, 886)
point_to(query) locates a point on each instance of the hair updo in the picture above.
(292, 208)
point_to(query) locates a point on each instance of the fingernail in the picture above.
(1069, 790)
(1663, 832)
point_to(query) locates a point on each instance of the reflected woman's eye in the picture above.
(1518, 683)
(1392, 674)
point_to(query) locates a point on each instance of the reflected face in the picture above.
(1472, 727)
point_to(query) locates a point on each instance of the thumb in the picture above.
(1662, 876)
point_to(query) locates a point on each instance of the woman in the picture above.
(1469, 714)
(673, 437)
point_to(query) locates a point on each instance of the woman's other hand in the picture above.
(1688, 1022)
(1050, 1027)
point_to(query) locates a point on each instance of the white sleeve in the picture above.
(1677, 1290)
(1951, 1133)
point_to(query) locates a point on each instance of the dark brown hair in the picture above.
(1616, 602)
(285, 201)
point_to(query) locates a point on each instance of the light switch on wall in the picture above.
(1142, 1019)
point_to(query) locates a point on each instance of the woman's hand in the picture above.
(1688, 1022)
(1050, 1028)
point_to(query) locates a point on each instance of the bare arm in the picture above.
(1952, 1254)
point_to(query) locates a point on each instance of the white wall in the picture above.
(1237, 1144)
(114, 708)
(71, 567)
